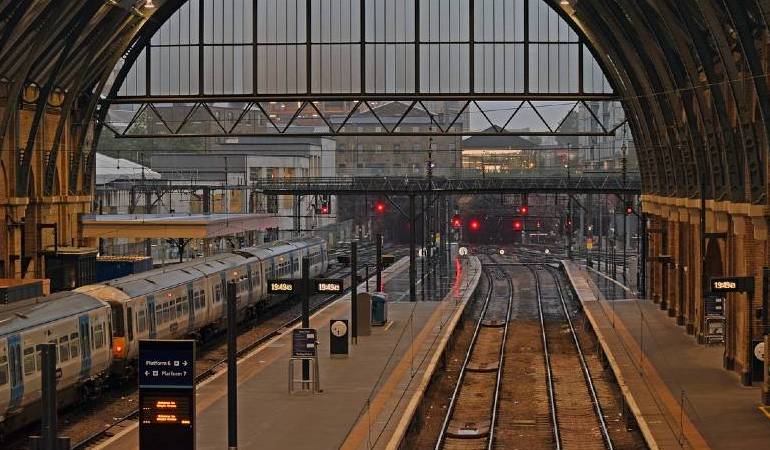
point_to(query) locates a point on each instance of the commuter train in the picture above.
(97, 328)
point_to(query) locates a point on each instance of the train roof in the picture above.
(154, 280)
(280, 247)
(19, 316)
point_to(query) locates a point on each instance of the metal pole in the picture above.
(48, 419)
(412, 250)
(305, 292)
(703, 281)
(366, 276)
(379, 263)
(422, 246)
(354, 291)
(232, 367)
(643, 264)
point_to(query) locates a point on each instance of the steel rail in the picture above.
(501, 363)
(458, 385)
(547, 356)
(583, 364)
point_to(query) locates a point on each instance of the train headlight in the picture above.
(119, 348)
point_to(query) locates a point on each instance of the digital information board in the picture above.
(166, 394)
(731, 284)
(328, 286)
(294, 286)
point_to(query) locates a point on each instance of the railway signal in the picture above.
(524, 210)
(379, 207)
(517, 226)
(629, 209)
(456, 221)
(474, 225)
(323, 205)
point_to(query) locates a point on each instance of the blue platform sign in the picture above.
(167, 364)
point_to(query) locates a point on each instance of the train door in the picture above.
(84, 326)
(151, 316)
(250, 283)
(190, 308)
(222, 300)
(15, 371)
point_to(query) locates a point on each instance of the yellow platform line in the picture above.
(360, 431)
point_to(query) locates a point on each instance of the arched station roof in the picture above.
(690, 73)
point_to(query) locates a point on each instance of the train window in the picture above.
(141, 321)
(64, 349)
(130, 316)
(117, 320)
(203, 298)
(217, 291)
(3, 370)
(99, 336)
(29, 360)
(39, 360)
(74, 345)
(179, 307)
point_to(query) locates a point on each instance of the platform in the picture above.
(365, 397)
(677, 389)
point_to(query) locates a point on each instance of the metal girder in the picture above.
(585, 184)
(337, 125)
(658, 153)
(719, 29)
(682, 96)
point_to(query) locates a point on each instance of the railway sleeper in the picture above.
(483, 367)
(493, 323)
(461, 429)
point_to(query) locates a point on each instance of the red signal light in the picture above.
(456, 222)
(379, 207)
(324, 209)
(475, 225)
(524, 209)
(629, 210)
(517, 225)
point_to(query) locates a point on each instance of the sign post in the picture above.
(304, 344)
(378, 288)
(354, 289)
(338, 338)
(232, 366)
(47, 439)
(305, 311)
(166, 394)
(723, 285)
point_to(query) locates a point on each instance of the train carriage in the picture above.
(81, 328)
(97, 327)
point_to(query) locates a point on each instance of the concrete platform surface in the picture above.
(364, 396)
(678, 390)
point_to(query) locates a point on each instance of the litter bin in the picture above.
(379, 309)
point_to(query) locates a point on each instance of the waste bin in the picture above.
(379, 309)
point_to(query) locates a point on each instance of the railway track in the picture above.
(577, 419)
(472, 412)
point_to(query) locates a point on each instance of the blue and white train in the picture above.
(97, 328)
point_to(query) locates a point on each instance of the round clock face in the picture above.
(339, 328)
